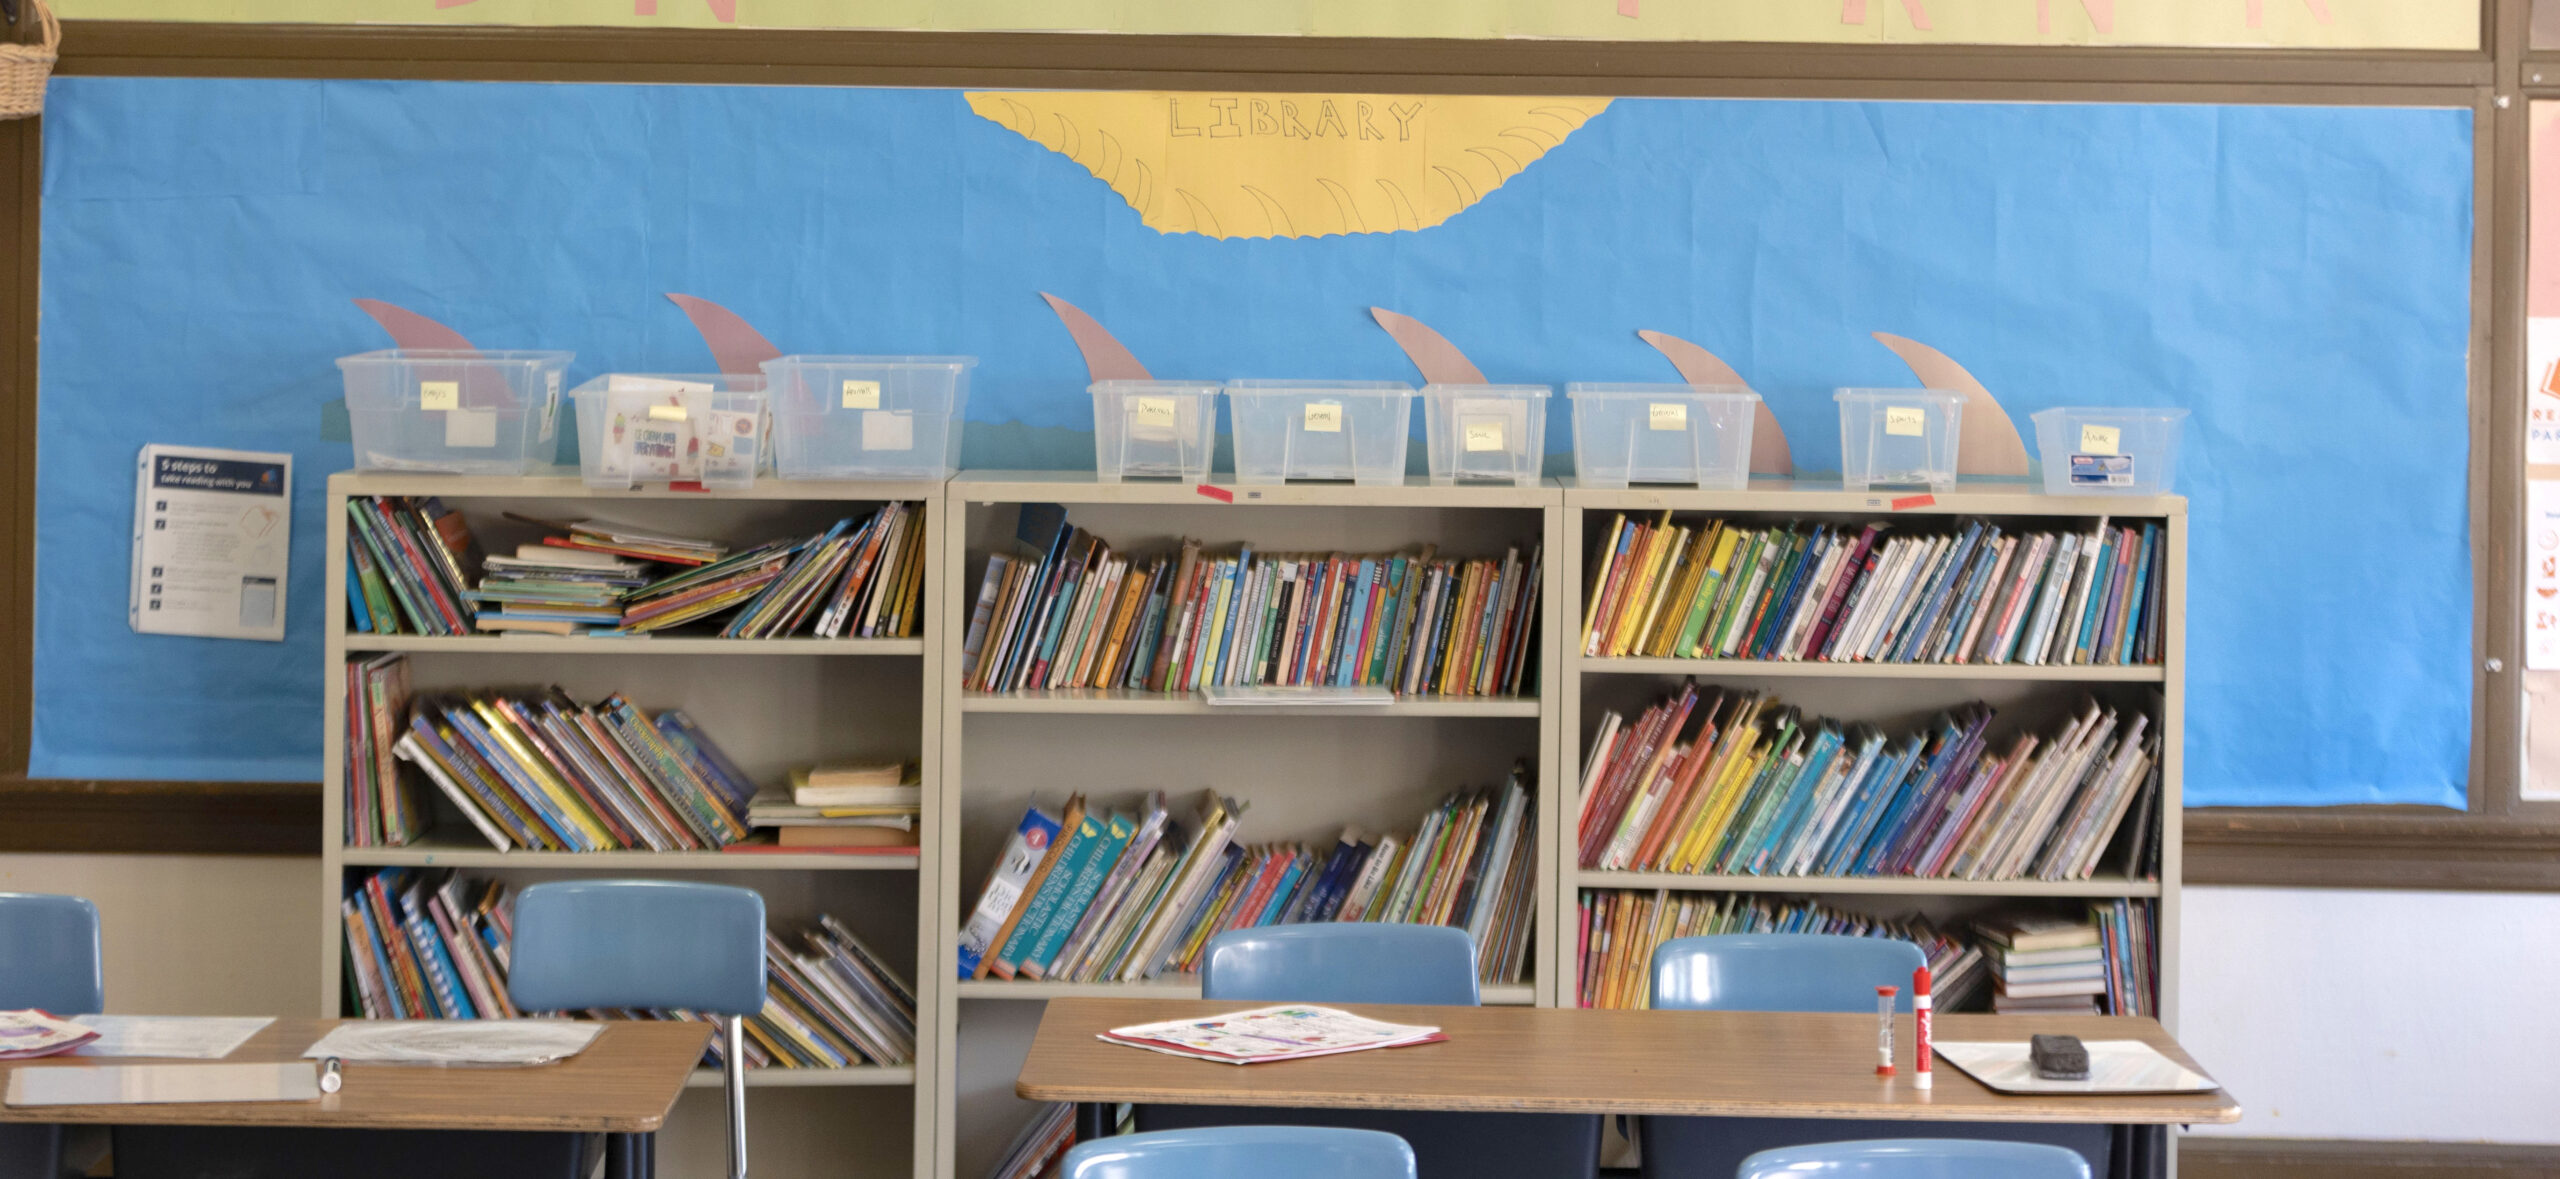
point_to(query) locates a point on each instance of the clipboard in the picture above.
(163, 1084)
(2115, 1066)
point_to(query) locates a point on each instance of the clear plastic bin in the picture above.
(1689, 434)
(636, 428)
(1486, 432)
(459, 411)
(2108, 451)
(867, 417)
(1895, 436)
(1355, 430)
(1153, 429)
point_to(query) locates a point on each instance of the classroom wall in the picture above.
(2330, 1013)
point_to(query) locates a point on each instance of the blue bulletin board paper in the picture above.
(2298, 277)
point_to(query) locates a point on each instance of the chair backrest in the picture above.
(1244, 1152)
(638, 943)
(1781, 972)
(1342, 962)
(1916, 1158)
(49, 954)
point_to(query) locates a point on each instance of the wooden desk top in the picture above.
(1567, 1060)
(625, 1081)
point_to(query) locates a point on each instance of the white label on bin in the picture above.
(1155, 413)
(439, 394)
(1482, 434)
(884, 429)
(1667, 415)
(862, 394)
(1906, 421)
(474, 429)
(2099, 439)
(667, 413)
(1324, 417)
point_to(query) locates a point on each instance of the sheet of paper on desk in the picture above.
(181, 1037)
(163, 1084)
(1291, 1031)
(2115, 1066)
(461, 1041)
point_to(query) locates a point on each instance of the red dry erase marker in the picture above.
(1920, 1020)
(1884, 1030)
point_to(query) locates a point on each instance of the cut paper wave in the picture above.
(1989, 443)
(409, 329)
(1105, 357)
(1292, 165)
(1770, 454)
(1432, 354)
(737, 348)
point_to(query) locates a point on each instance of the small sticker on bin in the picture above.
(1667, 415)
(1906, 421)
(2101, 470)
(2100, 439)
(1324, 417)
(439, 395)
(1153, 412)
(1484, 434)
(862, 394)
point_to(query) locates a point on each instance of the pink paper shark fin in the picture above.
(1990, 444)
(1770, 454)
(411, 330)
(1105, 357)
(1440, 361)
(736, 347)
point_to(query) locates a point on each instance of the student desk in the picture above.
(1571, 1060)
(621, 1084)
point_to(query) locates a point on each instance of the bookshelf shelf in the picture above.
(1138, 703)
(1916, 886)
(1499, 994)
(808, 1078)
(664, 645)
(1768, 669)
(459, 856)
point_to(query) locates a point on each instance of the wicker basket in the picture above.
(23, 68)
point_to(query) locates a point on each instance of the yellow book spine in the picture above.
(1640, 587)
(1658, 593)
(540, 771)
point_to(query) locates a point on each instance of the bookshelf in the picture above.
(1892, 694)
(771, 704)
(1303, 771)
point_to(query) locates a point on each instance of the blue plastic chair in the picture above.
(1916, 1158)
(1806, 972)
(1343, 962)
(1357, 962)
(1244, 1152)
(647, 943)
(48, 960)
(49, 954)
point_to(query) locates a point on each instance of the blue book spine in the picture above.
(2092, 602)
(1281, 892)
(1232, 644)
(2127, 643)
(496, 757)
(382, 964)
(355, 600)
(1117, 831)
(1908, 642)
(444, 986)
(1817, 765)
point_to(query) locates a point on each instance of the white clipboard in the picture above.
(2115, 1066)
(163, 1084)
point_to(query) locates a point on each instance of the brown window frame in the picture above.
(2499, 842)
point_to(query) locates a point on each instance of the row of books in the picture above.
(1087, 896)
(1075, 614)
(1617, 930)
(843, 808)
(410, 563)
(2100, 963)
(540, 771)
(1714, 589)
(1733, 782)
(436, 946)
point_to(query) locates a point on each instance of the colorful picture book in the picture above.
(1040, 1146)
(1733, 782)
(1083, 895)
(539, 772)
(435, 946)
(410, 563)
(1073, 613)
(1968, 592)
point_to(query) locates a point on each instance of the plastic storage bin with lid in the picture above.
(1153, 429)
(2108, 451)
(636, 428)
(1898, 436)
(867, 417)
(1698, 435)
(1354, 430)
(458, 411)
(1485, 432)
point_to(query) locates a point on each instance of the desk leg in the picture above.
(2139, 1152)
(1093, 1120)
(630, 1156)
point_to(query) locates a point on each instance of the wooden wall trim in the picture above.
(2370, 847)
(193, 818)
(2218, 1157)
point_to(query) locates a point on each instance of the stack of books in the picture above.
(541, 772)
(1041, 1146)
(1075, 614)
(860, 578)
(546, 589)
(2125, 935)
(1713, 589)
(854, 808)
(1089, 896)
(409, 563)
(435, 946)
(1732, 782)
(1617, 930)
(2045, 964)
